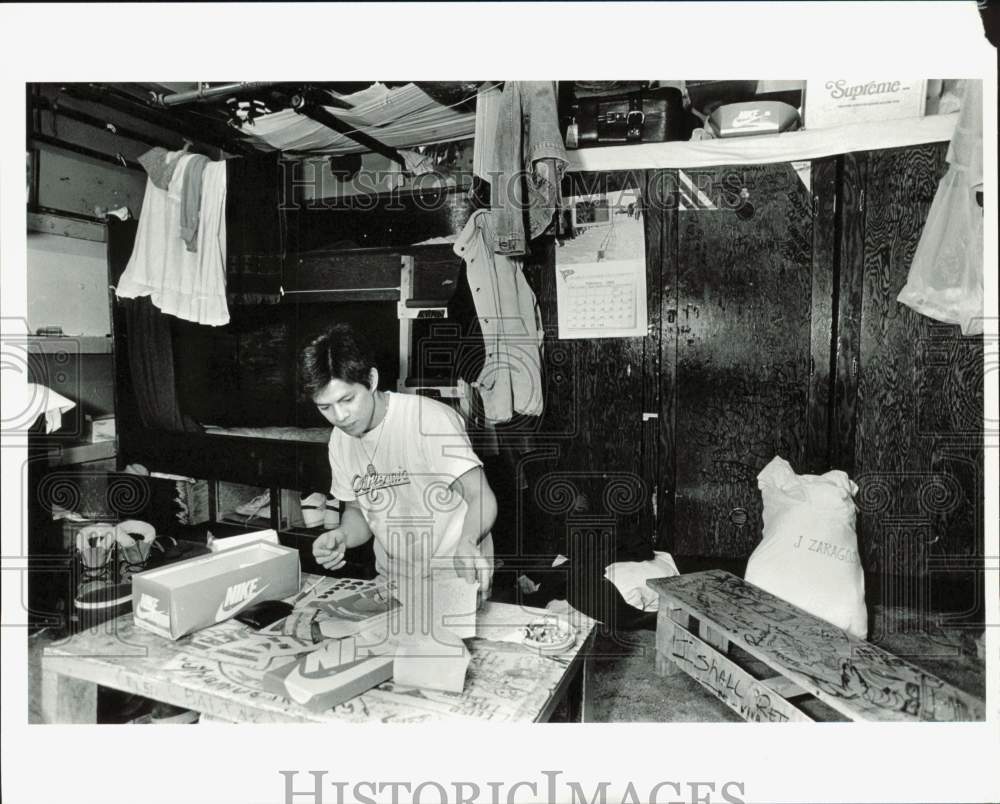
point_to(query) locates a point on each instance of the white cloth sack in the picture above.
(809, 553)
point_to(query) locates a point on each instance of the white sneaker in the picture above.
(259, 506)
(135, 540)
(94, 545)
(313, 509)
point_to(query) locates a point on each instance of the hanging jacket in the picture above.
(527, 164)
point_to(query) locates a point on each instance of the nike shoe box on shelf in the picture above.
(753, 118)
(183, 597)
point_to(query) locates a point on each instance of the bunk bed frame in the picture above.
(417, 280)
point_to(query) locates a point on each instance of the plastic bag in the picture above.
(809, 552)
(946, 276)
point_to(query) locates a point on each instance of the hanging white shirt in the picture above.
(189, 285)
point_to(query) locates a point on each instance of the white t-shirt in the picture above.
(417, 451)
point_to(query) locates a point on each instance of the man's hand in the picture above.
(329, 549)
(473, 566)
(474, 556)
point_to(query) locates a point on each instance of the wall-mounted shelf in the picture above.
(792, 146)
(69, 344)
(81, 453)
(51, 222)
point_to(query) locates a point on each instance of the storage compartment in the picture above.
(252, 506)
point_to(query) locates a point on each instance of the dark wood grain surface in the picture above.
(848, 291)
(824, 273)
(918, 450)
(661, 352)
(594, 396)
(743, 351)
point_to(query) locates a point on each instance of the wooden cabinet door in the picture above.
(743, 331)
(919, 442)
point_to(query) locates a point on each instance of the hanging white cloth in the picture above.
(24, 403)
(189, 285)
(946, 276)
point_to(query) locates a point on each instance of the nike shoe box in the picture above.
(329, 676)
(753, 117)
(175, 600)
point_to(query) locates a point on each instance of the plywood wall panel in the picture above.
(595, 392)
(847, 301)
(743, 351)
(918, 450)
(824, 274)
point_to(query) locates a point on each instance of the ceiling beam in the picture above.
(304, 105)
(173, 120)
(117, 160)
(203, 94)
(58, 110)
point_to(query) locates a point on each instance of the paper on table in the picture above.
(337, 629)
(431, 604)
(437, 662)
(515, 636)
(454, 604)
(299, 624)
(257, 651)
(359, 607)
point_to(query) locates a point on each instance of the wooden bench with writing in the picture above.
(704, 616)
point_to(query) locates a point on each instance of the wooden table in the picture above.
(505, 682)
(771, 661)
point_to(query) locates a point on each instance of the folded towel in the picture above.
(630, 579)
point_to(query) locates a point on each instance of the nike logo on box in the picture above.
(149, 609)
(237, 597)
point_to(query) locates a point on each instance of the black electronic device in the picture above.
(260, 615)
(647, 115)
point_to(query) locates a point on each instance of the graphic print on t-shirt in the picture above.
(372, 481)
(405, 488)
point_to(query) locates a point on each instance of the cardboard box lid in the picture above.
(201, 568)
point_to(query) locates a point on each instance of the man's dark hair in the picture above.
(337, 354)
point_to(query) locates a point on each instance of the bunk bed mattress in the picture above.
(308, 434)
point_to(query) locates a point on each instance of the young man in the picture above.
(404, 468)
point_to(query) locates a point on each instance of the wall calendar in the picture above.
(601, 267)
